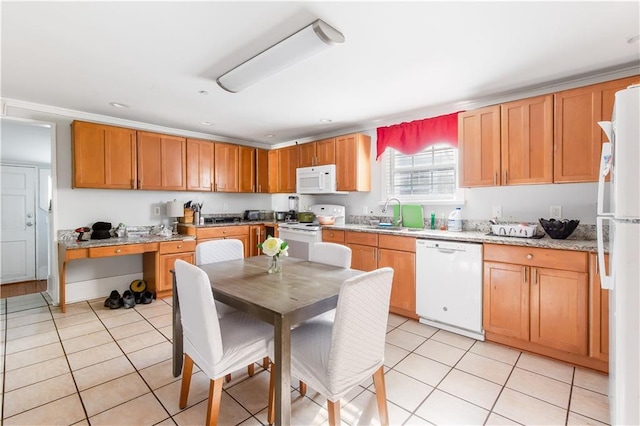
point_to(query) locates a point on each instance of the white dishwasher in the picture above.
(449, 286)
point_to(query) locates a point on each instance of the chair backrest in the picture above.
(219, 251)
(331, 254)
(359, 328)
(201, 329)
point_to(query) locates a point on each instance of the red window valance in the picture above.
(411, 138)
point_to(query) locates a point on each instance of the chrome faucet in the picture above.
(386, 204)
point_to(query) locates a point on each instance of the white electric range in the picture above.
(300, 236)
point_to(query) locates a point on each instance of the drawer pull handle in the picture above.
(529, 256)
(118, 250)
(180, 246)
(224, 232)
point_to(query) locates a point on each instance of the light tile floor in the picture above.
(98, 366)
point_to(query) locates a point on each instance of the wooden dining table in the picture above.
(301, 291)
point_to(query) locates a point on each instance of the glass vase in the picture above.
(275, 264)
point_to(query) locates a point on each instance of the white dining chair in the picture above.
(215, 251)
(331, 254)
(335, 356)
(217, 345)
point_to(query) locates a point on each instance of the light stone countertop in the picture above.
(478, 237)
(71, 244)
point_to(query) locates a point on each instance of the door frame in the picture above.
(52, 279)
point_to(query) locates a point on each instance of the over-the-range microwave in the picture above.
(317, 180)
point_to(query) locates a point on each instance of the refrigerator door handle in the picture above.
(604, 171)
(605, 279)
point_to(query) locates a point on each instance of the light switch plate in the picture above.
(555, 212)
(156, 211)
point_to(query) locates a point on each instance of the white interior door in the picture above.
(17, 210)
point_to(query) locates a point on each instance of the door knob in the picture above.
(29, 215)
(29, 223)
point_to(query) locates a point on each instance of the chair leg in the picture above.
(213, 409)
(265, 362)
(227, 378)
(271, 411)
(334, 413)
(187, 369)
(381, 396)
(303, 388)
(251, 369)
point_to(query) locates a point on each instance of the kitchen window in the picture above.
(430, 175)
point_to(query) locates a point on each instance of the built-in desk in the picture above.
(159, 255)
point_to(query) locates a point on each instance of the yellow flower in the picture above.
(273, 247)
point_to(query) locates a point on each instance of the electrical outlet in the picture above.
(496, 212)
(225, 207)
(555, 212)
(365, 209)
(156, 211)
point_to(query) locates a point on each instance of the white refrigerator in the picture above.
(619, 208)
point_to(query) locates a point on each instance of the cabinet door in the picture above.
(559, 309)
(226, 168)
(307, 152)
(403, 291)
(199, 165)
(332, 236)
(273, 171)
(161, 162)
(103, 156)
(247, 169)
(364, 258)
(527, 141)
(262, 170)
(578, 138)
(326, 152)
(287, 164)
(167, 262)
(505, 306)
(245, 242)
(353, 167)
(479, 147)
(598, 312)
(256, 236)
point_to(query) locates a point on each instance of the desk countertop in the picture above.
(73, 244)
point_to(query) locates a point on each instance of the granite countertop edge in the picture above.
(73, 244)
(479, 237)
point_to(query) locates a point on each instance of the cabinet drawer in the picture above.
(537, 257)
(363, 238)
(116, 250)
(222, 231)
(177, 246)
(333, 236)
(395, 242)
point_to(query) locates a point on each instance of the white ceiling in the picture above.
(400, 60)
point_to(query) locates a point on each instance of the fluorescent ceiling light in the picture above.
(299, 46)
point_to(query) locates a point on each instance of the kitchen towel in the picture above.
(411, 216)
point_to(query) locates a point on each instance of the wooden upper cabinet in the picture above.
(326, 152)
(247, 170)
(273, 174)
(226, 167)
(317, 153)
(307, 154)
(287, 165)
(263, 171)
(103, 156)
(527, 141)
(353, 162)
(578, 138)
(199, 165)
(161, 162)
(479, 147)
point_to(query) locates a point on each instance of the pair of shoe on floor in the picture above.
(128, 300)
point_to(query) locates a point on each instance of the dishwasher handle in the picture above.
(443, 246)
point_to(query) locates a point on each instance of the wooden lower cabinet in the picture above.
(403, 291)
(257, 234)
(332, 236)
(160, 279)
(506, 300)
(538, 300)
(598, 312)
(364, 258)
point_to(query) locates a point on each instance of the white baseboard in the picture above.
(102, 287)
